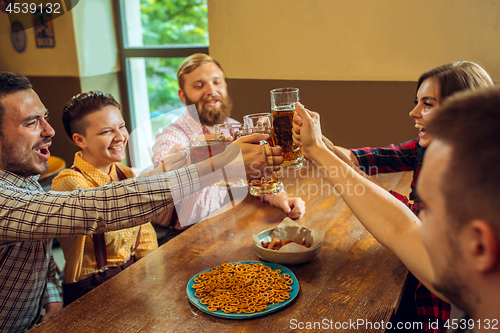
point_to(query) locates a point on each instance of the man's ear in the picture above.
(483, 246)
(182, 96)
(79, 140)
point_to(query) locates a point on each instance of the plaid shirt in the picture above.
(403, 157)
(196, 207)
(406, 157)
(79, 251)
(30, 218)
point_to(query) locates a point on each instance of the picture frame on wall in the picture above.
(18, 36)
(4, 4)
(43, 27)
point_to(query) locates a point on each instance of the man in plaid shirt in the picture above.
(30, 218)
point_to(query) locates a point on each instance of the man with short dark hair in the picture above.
(32, 159)
(455, 249)
(30, 218)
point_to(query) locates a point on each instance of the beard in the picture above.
(212, 115)
(451, 283)
(451, 286)
(13, 161)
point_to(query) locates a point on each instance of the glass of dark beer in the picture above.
(205, 146)
(282, 108)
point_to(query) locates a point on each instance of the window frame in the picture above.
(126, 52)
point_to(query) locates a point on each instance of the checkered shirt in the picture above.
(403, 157)
(30, 218)
(79, 251)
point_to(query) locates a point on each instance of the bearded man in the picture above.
(202, 83)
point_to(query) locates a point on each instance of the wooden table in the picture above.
(353, 278)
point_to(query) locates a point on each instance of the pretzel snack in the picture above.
(242, 288)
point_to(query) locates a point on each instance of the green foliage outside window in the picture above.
(173, 22)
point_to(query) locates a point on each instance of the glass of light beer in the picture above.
(266, 183)
(282, 107)
(229, 129)
(222, 131)
(258, 119)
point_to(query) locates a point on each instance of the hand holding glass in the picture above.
(268, 183)
(222, 131)
(205, 146)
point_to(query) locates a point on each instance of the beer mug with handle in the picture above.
(222, 131)
(268, 183)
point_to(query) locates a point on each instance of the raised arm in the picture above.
(343, 153)
(385, 217)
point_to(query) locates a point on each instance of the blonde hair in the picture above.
(191, 63)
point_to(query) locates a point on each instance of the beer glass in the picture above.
(205, 146)
(258, 120)
(261, 123)
(229, 129)
(282, 107)
(222, 131)
(268, 183)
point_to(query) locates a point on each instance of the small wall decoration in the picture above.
(18, 36)
(43, 26)
(4, 4)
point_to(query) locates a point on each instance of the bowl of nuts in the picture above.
(288, 245)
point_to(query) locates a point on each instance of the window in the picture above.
(156, 35)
